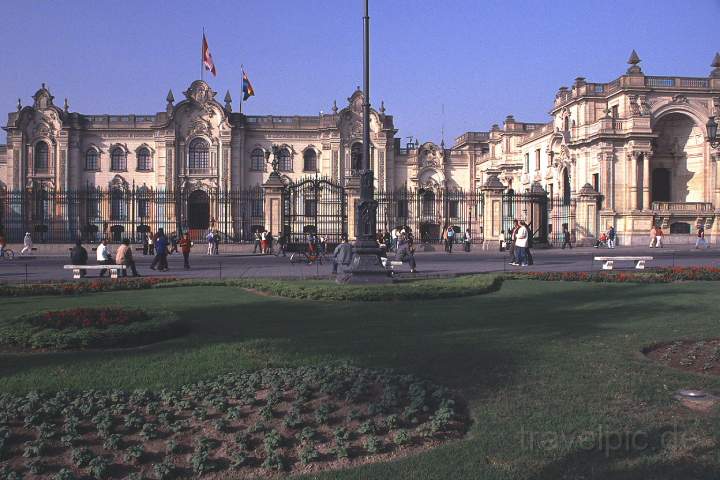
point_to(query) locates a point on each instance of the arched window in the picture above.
(143, 203)
(118, 160)
(285, 163)
(199, 156)
(310, 160)
(257, 160)
(144, 161)
(356, 155)
(428, 203)
(41, 157)
(91, 160)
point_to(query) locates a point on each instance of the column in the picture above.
(633, 181)
(646, 180)
(272, 208)
(492, 218)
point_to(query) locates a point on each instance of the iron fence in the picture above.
(56, 216)
(561, 214)
(428, 212)
(530, 207)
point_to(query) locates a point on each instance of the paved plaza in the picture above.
(243, 263)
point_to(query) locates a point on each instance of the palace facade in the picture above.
(634, 150)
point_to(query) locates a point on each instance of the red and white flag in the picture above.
(207, 57)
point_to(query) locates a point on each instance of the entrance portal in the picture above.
(198, 210)
(661, 185)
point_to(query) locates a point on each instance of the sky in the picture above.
(475, 60)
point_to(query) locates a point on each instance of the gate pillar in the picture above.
(352, 190)
(492, 217)
(587, 216)
(273, 204)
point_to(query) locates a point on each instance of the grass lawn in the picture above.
(555, 386)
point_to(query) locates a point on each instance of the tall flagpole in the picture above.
(202, 56)
(242, 86)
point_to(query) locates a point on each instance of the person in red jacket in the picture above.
(185, 246)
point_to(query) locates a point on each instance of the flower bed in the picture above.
(658, 275)
(701, 356)
(80, 287)
(247, 425)
(83, 328)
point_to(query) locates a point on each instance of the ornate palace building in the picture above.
(627, 153)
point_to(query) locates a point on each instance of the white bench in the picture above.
(113, 269)
(390, 263)
(609, 261)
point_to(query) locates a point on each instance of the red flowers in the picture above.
(89, 318)
(658, 275)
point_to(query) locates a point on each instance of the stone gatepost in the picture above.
(492, 219)
(272, 204)
(587, 225)
(352, 191)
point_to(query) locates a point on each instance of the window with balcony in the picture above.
(42, 154)
(199, 156)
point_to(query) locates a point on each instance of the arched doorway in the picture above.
(198, 210)
(661, 185)
(677, 162)
(566, 187)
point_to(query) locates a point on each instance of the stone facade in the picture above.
(636, 146)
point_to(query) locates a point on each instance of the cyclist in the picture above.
(3, 244)
(312, 247)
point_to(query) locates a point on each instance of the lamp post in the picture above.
(366, 266)
(712, 128)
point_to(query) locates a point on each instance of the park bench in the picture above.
(390, 264)
(610, 261)
(114, 269)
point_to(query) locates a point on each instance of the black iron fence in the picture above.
(561, 215)
(95, 213)
(428, 212)
(530, 207)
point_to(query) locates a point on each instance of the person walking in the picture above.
(511, 247)
(450, 238)
(3, 243)
(257, 243)
(79, 256)
(145, 242)
(282, 242)
(27, 244)
(467, 239)
(659, 237)
(528, 254)
(653, 236)
(263, 242)
(501, 241)
(103, 256)
(173, 243)
(151, 243)
(611, 237)
(270, 241)
(406, 251)
(210, 242)
(566, 236)
(700, 242)
(216, 242)
(185, 246)
(342, 255)
(124, 256)
(161, 251)
(521, 241)
(394, 239)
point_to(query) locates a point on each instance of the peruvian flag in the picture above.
(207, 57)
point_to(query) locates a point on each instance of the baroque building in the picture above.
(634, 149)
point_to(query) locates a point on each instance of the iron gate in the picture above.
(314, 205)
(531, 207)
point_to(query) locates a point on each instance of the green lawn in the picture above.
(552, 361)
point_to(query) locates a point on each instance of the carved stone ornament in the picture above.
(645, 108)
(199, 127)
(634, 105)
(680, 99)
(200, 92)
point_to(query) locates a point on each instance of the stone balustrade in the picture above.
(683, 207)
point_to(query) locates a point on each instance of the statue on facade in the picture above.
(275, 162)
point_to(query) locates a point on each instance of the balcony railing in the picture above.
(684, 207)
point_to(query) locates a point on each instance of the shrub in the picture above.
(401, 438)
(373, 444)
(64, 474)
(164, 470)
(99, 468)
(134, 454)
(307, 452)
(33, 332)
(112, 442)
(81, 457)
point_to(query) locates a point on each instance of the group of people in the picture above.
(264, 240)
(607, 239)
(520, 243)
(162, 246)
(400, 240)
(213, 242)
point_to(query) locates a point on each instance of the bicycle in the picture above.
(7, 254)
(308, 258)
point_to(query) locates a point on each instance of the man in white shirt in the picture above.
(521, 243)
(104, 257)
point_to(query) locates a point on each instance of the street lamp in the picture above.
(712, 127)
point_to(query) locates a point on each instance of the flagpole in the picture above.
(202, 54)
(242, 86)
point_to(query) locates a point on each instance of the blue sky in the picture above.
(481, 59)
